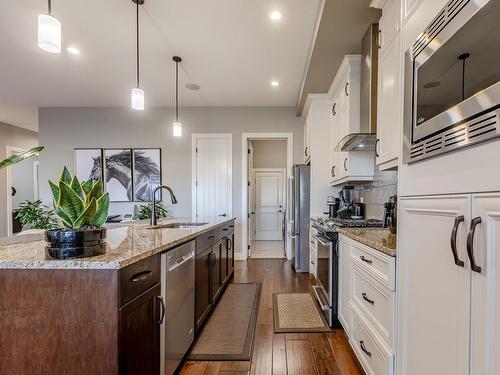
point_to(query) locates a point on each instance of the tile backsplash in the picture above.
(375, 193)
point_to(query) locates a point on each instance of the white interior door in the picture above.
(212, 176)
(268, 205)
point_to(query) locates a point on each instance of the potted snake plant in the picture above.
(82, 208)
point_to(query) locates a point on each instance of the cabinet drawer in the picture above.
(374, 355)
(205, 240)
(380, 266)
(375, 302)
(138, 277)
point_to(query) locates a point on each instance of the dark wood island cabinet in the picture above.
(97, 320)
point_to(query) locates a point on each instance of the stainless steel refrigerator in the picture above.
(298, 222)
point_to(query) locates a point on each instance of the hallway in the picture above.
(267, 249)
(282, 353)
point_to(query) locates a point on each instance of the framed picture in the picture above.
(118, 174)
(88, 164)
(147, 173)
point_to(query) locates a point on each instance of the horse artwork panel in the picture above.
(118, 174)
(88, 164)
(147, 173)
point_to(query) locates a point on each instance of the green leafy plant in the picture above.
(144, 211)
(20, 157)
(80, 205)
(35, 215)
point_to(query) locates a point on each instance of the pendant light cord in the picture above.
(50, 7)
(177, 91)
(137, 46)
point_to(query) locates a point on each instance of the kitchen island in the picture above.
(101, 315)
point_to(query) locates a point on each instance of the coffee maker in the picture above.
(345, 198)
(333, 204)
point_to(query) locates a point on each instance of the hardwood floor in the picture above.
(282, 353)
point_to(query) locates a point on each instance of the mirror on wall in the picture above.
(22, 186)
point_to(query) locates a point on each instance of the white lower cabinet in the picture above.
(344, 259)
(313, 252)
(449, 290)
(367, 306)
(373, 354)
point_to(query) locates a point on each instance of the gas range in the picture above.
(329, 224)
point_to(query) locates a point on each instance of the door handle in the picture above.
(470, 244)
(223, 215)
(279, 211)
(454, 232)
(162, 309)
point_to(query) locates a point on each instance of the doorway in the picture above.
(267, 175)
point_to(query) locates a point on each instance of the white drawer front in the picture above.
(381, 266)
(375, 302)
(376, 358)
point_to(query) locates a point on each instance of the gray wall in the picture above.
(14, 137)
(63, 129)
(269, 154)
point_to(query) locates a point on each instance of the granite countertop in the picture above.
(376, 238)
(126, 244)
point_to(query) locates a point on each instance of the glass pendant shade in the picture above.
(49, 33)
(177, 129)
(137, 99)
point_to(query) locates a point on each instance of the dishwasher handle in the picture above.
(175, 263)
(162, 309)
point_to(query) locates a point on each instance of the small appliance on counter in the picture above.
(390, 214)
(345, 198)
(357, 210)
(333, 204)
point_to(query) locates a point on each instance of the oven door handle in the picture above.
(323, 306)
(321, 241)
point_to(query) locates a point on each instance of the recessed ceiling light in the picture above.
(73, 50)
(276, 15)
(275, 83)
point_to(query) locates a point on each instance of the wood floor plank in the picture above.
(194, 368)
(213, 368)
(279, 354)
(299, 358)
(235, 366)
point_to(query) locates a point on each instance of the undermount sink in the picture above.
(177, 225)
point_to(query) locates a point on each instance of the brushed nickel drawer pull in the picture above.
(140, 276)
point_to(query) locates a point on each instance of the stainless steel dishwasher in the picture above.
(177, 289)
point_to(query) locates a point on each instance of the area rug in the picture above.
(297, 312)
(229, 333)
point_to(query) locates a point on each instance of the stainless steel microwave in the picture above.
(452, 80)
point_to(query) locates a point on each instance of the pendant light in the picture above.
(137, 95)
(49, 31)
(177, 125)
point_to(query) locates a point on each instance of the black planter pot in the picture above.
(70, 244)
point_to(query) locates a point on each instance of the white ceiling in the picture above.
(231, 48)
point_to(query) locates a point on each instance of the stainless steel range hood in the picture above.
(366, 139)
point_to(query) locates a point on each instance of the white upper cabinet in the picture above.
(484, 243)
(390, 86)
(307, 140)
(344, 120)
